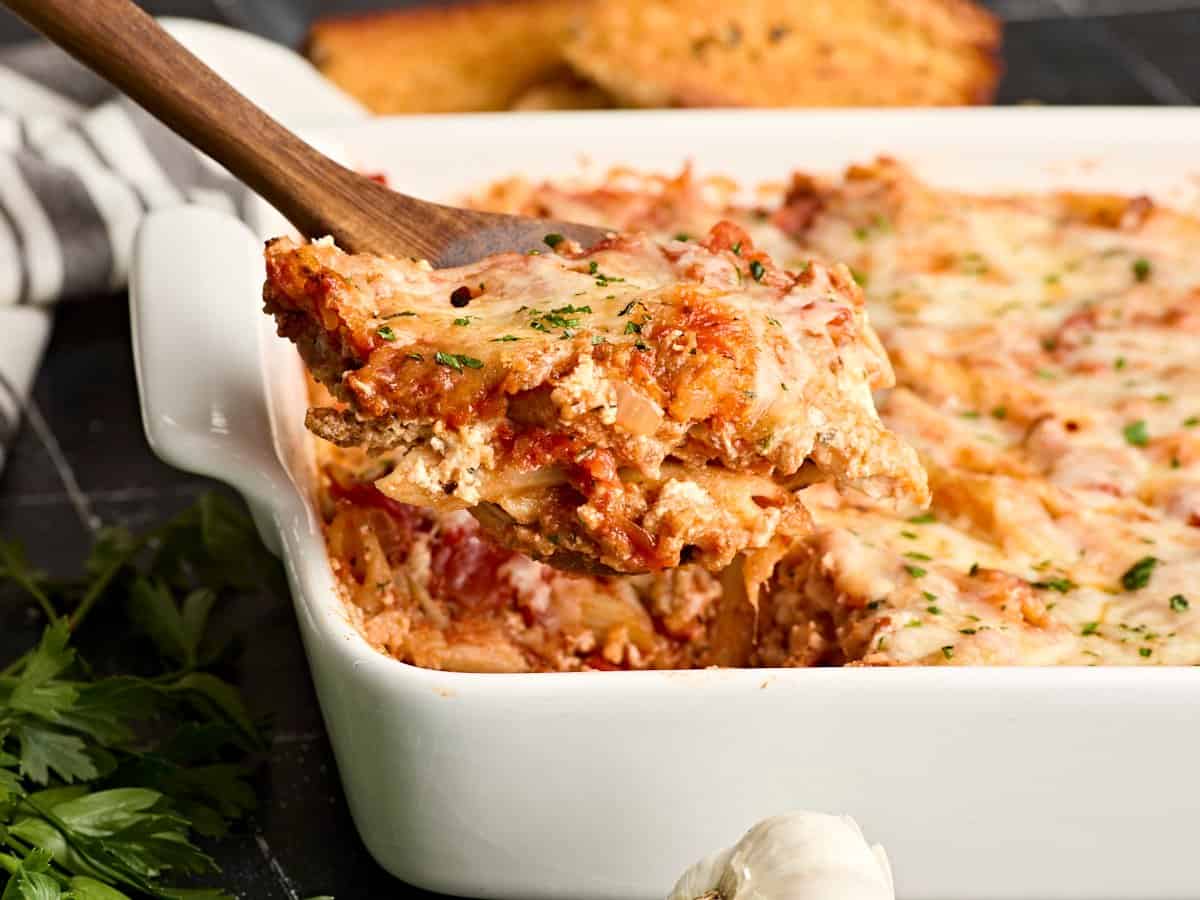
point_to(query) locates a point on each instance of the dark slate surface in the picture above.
(81, 459)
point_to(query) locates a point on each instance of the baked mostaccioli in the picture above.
(635, 405)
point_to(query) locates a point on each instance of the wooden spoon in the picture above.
(318, 196)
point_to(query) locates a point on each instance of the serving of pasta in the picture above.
(1047, 373)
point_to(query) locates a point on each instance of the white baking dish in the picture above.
(983, 784)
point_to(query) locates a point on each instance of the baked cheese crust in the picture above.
(1047, 350)
(1046, 354)
(639, 404)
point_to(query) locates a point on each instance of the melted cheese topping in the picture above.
(1046, 350)
(560, 387)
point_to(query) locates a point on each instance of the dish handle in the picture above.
(194, 292)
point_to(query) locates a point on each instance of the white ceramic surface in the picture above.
(282, 82)
(984, 784)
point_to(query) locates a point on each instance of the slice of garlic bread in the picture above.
(466, 57)
(769, 53)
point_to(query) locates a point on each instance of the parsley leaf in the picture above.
(1062, 585)
(1137, 576)
(104, 781)
(1136, 434)
(457, 361)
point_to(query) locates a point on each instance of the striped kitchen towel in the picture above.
(79, 167)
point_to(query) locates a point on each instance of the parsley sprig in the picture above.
(107, 781)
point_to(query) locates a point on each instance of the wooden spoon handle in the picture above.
(119, 41)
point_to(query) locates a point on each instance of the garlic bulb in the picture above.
(798, 856)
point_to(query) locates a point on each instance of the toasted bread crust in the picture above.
(759, 53)
(563, 89)
(582, 54)
(470, 56)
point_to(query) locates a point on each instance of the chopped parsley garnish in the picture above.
(974, 570)
(1191, 421)
(598, 339)
(1144, 652)
(1046, 374)
(504, 338)
(457, 361)
(139, 764)
(416, 357)
(915, 571)
(400, 315)
(538, 326)
(1178, 602)
(464, 321)
(557, 320)
(1119, 363)
(593, 267)
(628, 307)
(641, 346)
(911, 535)
(1162, 398)
(933, 610)
(1000, 412)
(929, 595)
(385, 332)
(633, 328)
(1089, 628)
(683, 236)
(948, 651)
(923, 519)
(967, 631)
(1062, 585)
(553, 239)
(859, 277)
(1136, 434)
(756, 270)
(1138, 575)
(1141, 269)
(737, 249)
(772, 320)
(920, 557)
(969, 414)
